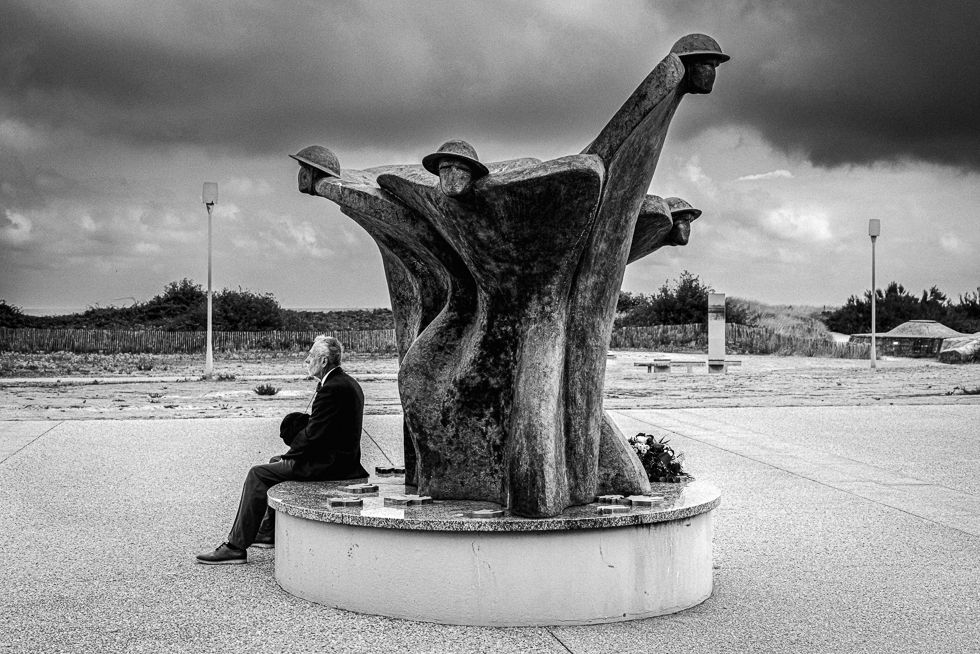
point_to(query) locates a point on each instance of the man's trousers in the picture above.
(253, 509)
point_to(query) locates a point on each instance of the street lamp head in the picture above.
(210, 193)
(874, 228)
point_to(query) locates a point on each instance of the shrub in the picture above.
(245, 311)
(684, 303)
(629, 302)
(12, 316)
(350, 319)
(266, 389)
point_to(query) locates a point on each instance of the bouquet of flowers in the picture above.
(658, 458)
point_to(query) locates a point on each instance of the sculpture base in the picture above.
(433, 564)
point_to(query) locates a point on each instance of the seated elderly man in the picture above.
(327, 448)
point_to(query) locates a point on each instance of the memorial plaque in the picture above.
(612, 508)
(336, 502)
(407, 500)
(360, 489)
(485, 513)
(641, 501)
(389, 471)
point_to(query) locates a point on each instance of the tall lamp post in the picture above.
(874, 229)
(210, 196)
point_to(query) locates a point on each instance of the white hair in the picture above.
(328, 349)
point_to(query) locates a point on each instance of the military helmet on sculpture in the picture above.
(698, 45)
(320, 158)
(679, 206)
(459, 150)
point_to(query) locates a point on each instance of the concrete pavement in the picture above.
(841, 530)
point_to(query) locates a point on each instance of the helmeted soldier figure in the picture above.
(316, 163)
(683, 215)
(457, 165)
(700, 55)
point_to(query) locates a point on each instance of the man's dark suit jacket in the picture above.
(330, 445)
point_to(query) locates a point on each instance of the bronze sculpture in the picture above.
(503, 280)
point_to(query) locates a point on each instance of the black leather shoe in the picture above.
(224, 555)
(264, 542)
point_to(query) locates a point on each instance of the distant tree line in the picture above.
(350, 319)
(183, 307)
(895, 306)
(685, 302)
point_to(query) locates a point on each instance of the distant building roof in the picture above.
(920, 329)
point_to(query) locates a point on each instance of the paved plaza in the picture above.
(842, 529)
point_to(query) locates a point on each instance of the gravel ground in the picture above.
(175, 390)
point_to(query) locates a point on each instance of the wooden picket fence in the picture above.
(739, 339)
(108, 341)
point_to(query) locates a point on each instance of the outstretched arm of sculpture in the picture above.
(629, 146)
(424, 275)
(660, 86)
(418, 263)
(689, 68)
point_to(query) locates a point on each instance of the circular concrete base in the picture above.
(399, 563)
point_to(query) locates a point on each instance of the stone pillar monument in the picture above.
(716, 332)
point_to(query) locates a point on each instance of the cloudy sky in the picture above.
(114, 112)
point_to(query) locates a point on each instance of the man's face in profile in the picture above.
(309, 179)
(455, 177)
(701, 73)
(314, 364)
(305, 179)
(680, 233)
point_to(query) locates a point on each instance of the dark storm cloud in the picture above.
(847, 82)
(258, 78)
(852, 82)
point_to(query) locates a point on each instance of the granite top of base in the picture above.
(311, 500)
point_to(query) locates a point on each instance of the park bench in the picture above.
(687, 364)
(664, 365)
(721, 365)
(660, 365)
